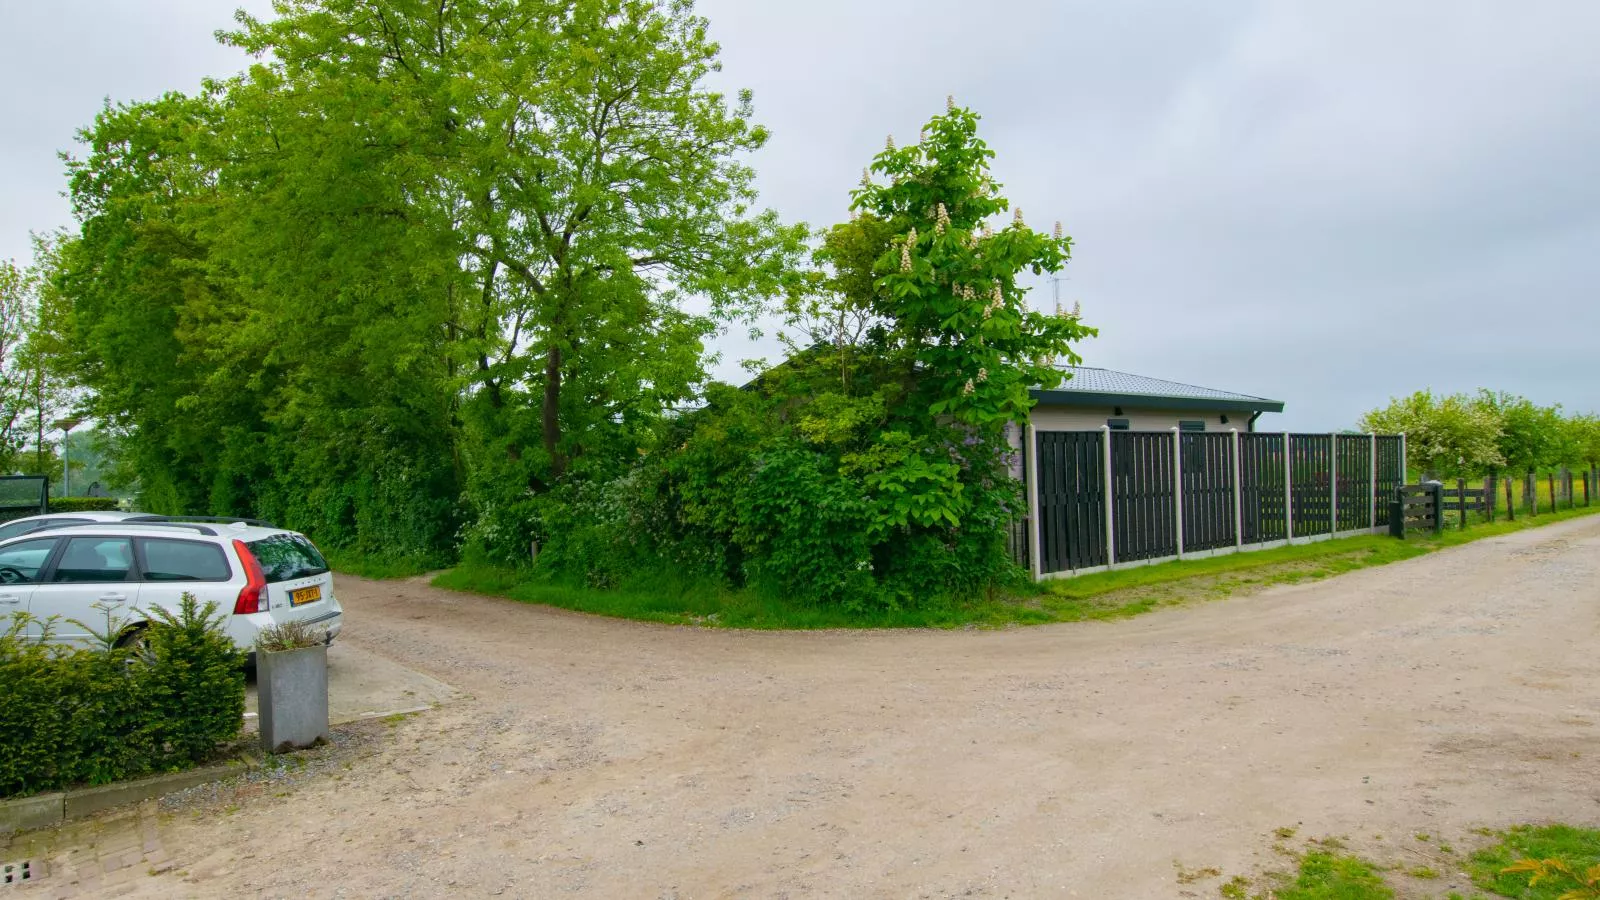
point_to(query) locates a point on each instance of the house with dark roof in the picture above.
(1092, 398)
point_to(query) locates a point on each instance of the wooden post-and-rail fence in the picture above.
(1107, 499)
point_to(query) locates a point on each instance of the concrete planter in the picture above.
(292, 687)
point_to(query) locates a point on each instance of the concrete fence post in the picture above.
(1030, 462)
(1333, 485)
(1288, 488)
(1177, 485)
(1111, 532)
(1238, 492)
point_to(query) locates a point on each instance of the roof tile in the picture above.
(1106, 381)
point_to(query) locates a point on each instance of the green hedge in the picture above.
(83, 504)
(75, 716)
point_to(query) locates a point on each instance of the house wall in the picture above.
(1053, 417)
(1081, 418)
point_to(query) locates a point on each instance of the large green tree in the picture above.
(587, 177)
(1456, 435)
(419, 251)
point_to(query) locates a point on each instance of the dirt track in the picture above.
(602, 758)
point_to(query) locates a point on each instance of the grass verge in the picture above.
(1101, 596)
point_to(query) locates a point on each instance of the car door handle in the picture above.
(114, 598)
(11, 599)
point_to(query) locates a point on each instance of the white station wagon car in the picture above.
(130, 564)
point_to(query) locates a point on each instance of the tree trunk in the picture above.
(552, 405)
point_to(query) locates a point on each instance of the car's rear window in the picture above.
(167, 560)
(285, 557)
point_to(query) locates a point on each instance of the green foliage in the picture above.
(1452, 436)
(679, 594)
(75, 716)
(1529, 434)
(960, 333)
(868, 473)
(1464, 435)
(1543, 862)
(193, 686)
(342, 292)
(83, 504)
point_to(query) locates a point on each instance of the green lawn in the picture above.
(1106, 595)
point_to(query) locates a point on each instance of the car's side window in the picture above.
(20, 562)
(18, 529)
(94, 558)
(170, 560)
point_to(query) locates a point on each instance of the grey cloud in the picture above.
(1324, 203)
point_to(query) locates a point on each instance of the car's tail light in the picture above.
(253, 596)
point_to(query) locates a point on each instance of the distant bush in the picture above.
(83, 504)
(74, 716)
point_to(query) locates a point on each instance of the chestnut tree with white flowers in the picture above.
(870, 470)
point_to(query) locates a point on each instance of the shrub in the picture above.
(83, 504)
(74, 716)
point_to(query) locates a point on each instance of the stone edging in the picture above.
(45, 810)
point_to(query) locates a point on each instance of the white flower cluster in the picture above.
(983, 374)
(1058, 231)
(968, 389)
(942, 221)
(905, 251)
(1016, 217)
(987, 231)
(888, 143)
(949, 102)
(866, 178)
(996, 300)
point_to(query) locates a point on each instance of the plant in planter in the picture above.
(292, 686)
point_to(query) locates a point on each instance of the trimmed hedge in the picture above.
(83, 504)
(73, 716)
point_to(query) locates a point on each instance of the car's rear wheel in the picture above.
(136, 641)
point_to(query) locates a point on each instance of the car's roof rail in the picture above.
(138, 523)
(226, 520)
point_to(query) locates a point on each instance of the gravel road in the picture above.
(601, 758)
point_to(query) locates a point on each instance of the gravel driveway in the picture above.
(601, 758)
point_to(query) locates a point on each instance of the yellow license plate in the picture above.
(305, 595)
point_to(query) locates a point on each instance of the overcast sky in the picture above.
(1326, 204)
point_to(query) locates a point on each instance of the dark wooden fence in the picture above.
(1262, 471)
(1417, 506)
(1174, 494)
(1208, 520)
(1071, 504)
